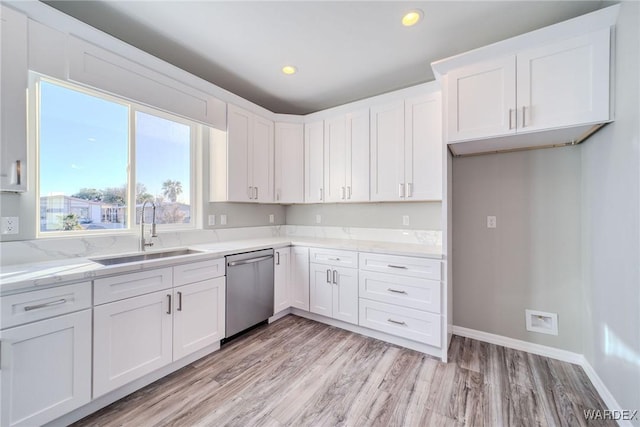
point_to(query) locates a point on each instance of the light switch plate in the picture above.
(318, 219)
(405, 219)
(212, 220)
(223, 219)
(272, 219)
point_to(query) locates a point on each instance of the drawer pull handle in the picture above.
(46, 304)
(169, 304)
(328, 276)
(396, 322)
(179, 301)
(335, 277)
(404, 267)
(333, 259)
(396, 291)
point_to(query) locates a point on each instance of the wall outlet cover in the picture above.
(223, 219)
(491, 221)
(212, 220)
(272, 218)
(542, 322)
(318, 218)
(10, 225)
(405, 219)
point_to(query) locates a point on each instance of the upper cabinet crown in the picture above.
(553, 82)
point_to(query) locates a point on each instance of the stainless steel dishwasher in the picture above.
(249, 290)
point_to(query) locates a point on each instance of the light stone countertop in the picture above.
(31, 276)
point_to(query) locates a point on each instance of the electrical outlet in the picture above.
(491, 222)
(223, 219)
(405, 219)
(318, 219)
(272, 219)
(212, 220)
(542, 322)
(10, 225)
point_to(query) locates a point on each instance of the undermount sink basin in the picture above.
(144, 256)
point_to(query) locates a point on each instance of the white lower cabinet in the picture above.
(138, 335)
(198, 319)
(333, 292)
(281, 279)
(46, 369)
(132, 337)
(299, 277)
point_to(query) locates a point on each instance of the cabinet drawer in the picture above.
(334, 257)
(401, 265)
(401, 321)
(198, 271)
(421, 294)
(131, 285)
(31, 306)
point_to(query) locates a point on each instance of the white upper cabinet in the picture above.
(13, 98)
(406, 149)
(482, 100)
(289, 163)
(250, 157)
(346, 151)
(313, 162)
(387, 152)
(544, 88)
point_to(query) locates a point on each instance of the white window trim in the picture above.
(196, 166)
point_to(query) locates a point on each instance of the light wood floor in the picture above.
(297, 372)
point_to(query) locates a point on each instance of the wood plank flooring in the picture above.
(296, 372)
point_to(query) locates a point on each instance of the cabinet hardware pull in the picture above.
(277, 258)
(333, 259)
(397, 266)
(409, 189)
(335, 277)
(401, 191)
(510, 121)
(46, 304)
(249, 261)
(396, 291)
(18, 172)
(169, 306)
(256, 196)
(523, 115)
(321, 198)
(179, 301)
(349, 192)
(343, 193)
(277, 195)
(328, 275)
(396, 322)
(250, 192)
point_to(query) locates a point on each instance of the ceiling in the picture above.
(344, 50)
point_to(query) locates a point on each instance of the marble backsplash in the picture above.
(49, 249)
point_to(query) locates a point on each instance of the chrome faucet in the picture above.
(143, 243)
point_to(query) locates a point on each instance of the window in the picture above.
(99, 155)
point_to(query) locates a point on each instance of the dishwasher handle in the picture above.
(249, 261)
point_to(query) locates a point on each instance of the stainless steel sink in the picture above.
(144, 257)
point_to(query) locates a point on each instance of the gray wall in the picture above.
(532, 260)
(422, 215)
(245, 214)
(611, 228)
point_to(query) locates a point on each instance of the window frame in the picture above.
(195, 155)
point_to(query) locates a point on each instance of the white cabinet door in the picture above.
(300, 278)
(423, 147)
(482, 100)
(199, 314)
(281, 279)
(320, 289)
(261, 152)
(335, 157)
(313, 162)
(239, 131)
(357, 156)
(387, 152)
(46, 369)
(565, 83)
(123, 353)
(345, 294)
(289, 163)
(13, 93)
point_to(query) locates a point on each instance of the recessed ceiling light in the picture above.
(412, 18)
(289, 69)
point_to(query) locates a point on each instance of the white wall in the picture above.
(611, 228)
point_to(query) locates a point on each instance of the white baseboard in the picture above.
(553, 353)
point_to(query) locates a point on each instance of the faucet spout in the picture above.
(143, 242)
